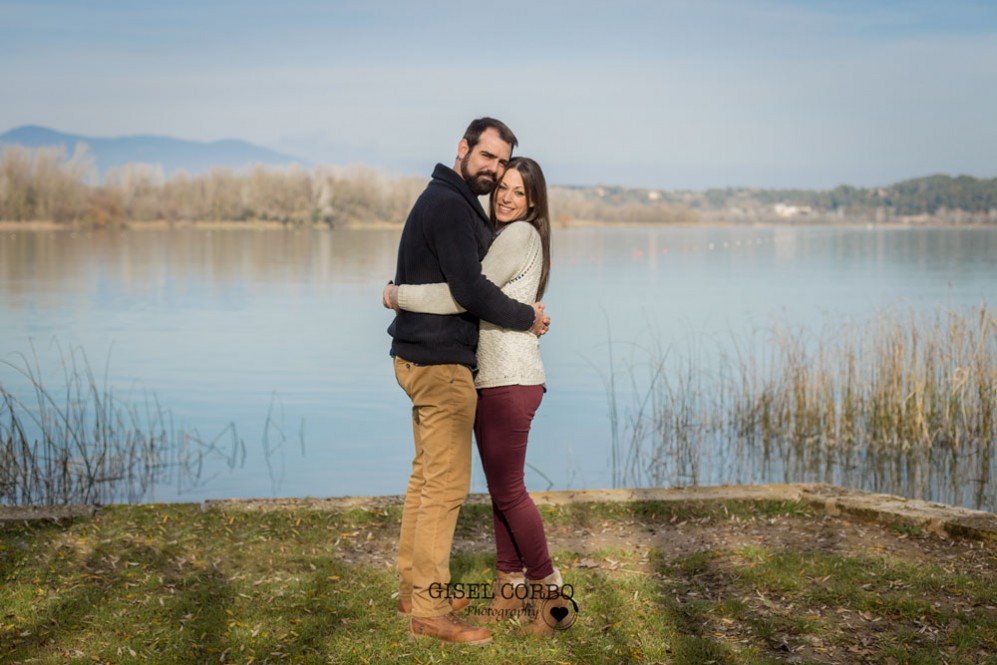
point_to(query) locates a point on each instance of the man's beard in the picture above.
(480, 184)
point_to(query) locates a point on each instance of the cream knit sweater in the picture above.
(514, 262)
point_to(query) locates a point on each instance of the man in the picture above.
(445, 237)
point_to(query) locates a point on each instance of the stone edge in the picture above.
(936, 518)
(20, 514)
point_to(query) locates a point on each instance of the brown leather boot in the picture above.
(508, 601)
(404, 605)
(547, 606)
(449, 628)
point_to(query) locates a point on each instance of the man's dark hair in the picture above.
(473, 133)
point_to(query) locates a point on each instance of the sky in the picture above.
(660, 94)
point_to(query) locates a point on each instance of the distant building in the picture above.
(786, 211)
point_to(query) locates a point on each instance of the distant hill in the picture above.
(172, 154)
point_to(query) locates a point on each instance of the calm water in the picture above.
(281, 333)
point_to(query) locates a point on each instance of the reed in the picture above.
(903, 383)
(902, 404)
(661, 407)
(85, 445)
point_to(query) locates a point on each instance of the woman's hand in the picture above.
(389, 298)
(541, 321)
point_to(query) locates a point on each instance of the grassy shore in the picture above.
(655, 582)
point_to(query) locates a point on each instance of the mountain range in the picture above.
(172, 154)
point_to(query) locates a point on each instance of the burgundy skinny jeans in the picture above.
(501, 428)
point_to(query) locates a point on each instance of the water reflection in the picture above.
(962, 478)
(145, 262)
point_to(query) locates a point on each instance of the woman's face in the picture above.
(510, 198)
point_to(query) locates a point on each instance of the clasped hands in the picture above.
(541, 320)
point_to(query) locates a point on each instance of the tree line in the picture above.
(46, 184)
(931, 195)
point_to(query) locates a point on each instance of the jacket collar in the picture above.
(447, 176)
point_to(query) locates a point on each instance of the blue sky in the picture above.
(664, 94)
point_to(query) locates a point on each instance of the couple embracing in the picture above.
(465, 344)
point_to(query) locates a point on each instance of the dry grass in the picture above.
(85, 445)
(903, 404)
(900, 384)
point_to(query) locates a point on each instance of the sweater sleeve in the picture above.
(457, 251)
(428, 299)
(503, 262)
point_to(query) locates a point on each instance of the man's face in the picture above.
(482, 166)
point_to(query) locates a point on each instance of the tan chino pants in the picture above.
(443, 404)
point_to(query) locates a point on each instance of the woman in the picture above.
(510, 383)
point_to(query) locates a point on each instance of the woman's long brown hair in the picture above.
(537, 213)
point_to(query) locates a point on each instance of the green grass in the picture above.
(175, 584)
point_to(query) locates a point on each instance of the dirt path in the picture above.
(831, 528)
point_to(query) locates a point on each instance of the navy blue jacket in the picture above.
(445, 237)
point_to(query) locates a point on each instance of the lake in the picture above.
(279, 336)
